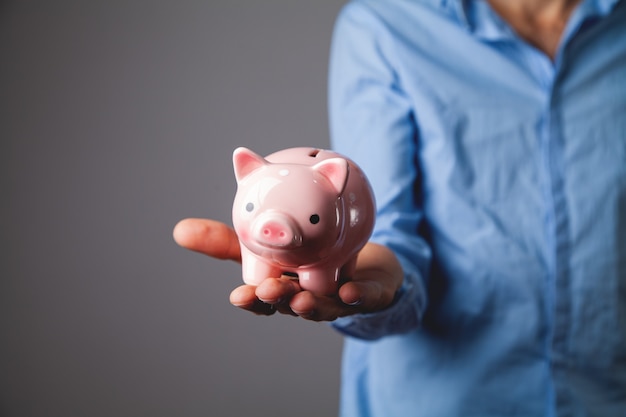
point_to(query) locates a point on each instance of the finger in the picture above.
(245, 298)
(319, 308)
(284, 308)
(367, 295)
(377, 278)
(278, 292)
(354, 297)
(209, 237)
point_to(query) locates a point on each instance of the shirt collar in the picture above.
(485, 23)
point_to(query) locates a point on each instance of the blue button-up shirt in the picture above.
(500, 179)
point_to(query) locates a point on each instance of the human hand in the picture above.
(377, 277)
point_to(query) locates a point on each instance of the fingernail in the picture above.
(355, 303)
(304, 314)
(276, 301)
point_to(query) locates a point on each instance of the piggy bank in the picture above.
(301, 212)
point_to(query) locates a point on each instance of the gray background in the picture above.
(117, 119)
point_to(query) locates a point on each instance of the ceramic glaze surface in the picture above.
(301, 211)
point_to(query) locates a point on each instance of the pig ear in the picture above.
(245, 161)
(335, 170)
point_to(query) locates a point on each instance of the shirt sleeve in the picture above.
(372, 122)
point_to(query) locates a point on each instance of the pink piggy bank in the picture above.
(301, 211)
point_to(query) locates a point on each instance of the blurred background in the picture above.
(117, 119)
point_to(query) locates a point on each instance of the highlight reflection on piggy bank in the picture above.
(301, 211)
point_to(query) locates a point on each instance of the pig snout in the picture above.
(275, 230)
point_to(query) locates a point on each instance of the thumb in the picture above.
(210, 237)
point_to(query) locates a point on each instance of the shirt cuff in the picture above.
(403, 315)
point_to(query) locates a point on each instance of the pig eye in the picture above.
(314, 219)
(249, 207)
